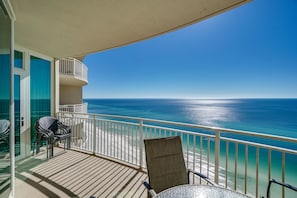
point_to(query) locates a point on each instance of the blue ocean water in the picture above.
(269, 116)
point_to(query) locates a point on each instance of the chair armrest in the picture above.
(64, 128)
(149, 188)
(279, 183)
(200, 175)
(46, 133)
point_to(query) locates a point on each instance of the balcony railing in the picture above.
(73, 67)
(74, 108)
(240, 160)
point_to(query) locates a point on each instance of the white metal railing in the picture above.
(74, 108)
(73, 67)
(240, 160)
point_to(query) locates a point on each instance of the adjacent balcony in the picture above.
(73, 72)
(74, 108)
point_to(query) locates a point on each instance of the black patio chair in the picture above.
(51, 130)
(281, 184)
(165, 165)
(4, 134)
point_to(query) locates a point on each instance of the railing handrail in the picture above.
(78, 104)
(276, 148)
(197, 126)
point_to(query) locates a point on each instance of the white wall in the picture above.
(70, 94)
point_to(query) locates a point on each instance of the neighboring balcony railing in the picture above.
(73, 67)
(74, 108)
(240, 160)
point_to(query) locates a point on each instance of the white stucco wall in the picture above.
(70, 94)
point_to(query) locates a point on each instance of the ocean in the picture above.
(268, 116)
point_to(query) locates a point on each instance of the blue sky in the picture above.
(248, 52)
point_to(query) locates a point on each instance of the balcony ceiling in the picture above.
(63, 28)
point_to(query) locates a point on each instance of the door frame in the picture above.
(25, 106)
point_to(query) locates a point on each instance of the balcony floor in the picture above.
(76, 174)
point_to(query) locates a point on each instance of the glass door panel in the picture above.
(40, 91)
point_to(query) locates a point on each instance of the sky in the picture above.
(248, 52)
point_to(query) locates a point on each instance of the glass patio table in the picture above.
(199, 191)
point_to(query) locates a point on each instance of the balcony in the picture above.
(111, 159)
(74, 108)
(73, 72)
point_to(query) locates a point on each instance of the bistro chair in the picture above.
(51, 130)
(165, 164)
(293, 188)
(4, 134)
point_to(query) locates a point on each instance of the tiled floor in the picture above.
(75, 174)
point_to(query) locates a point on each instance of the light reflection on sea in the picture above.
(210, 112)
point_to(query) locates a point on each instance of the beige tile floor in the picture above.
(76, 174)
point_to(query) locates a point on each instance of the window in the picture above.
(18, 59)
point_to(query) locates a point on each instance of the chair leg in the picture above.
(34, 146)
(47, 150)
(68, 143)
(37, 142)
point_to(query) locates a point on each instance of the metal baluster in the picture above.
(269, 165)
(257, 171)
(141, 143)
(194, 155)
(187, 150)
(200, 167)
(226, 171)
(208, 155)
(235, 169)
(217, 156)
(283, 173)
(245, 168)
(121, 141)
(114, 138)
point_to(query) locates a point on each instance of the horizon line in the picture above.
(176, 98)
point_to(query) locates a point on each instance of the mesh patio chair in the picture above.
(166, 165)
(293, 188)
(4, 134)
(51, 130)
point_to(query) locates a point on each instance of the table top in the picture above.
(196, 191)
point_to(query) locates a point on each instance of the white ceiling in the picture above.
(75, 28)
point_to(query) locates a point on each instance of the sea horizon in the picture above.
(275, 116)
(188, 98)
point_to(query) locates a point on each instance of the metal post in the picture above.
(217, 156)
(12, 110)
(140, 143)
(74, 65)
(94, 135)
